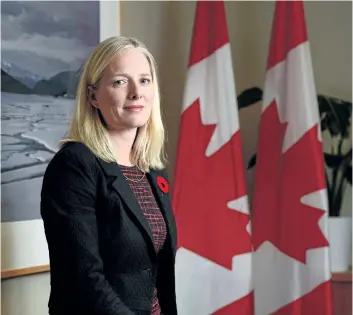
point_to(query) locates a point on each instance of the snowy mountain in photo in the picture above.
(27, 78)
(62, 84)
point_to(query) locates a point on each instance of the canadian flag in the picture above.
(213, 260)
(289, 224)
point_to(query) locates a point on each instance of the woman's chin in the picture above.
(135, 123)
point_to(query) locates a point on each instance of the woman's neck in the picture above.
(122, 142)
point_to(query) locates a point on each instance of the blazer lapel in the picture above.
(121, 186)
(163, 200)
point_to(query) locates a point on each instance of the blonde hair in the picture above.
(86, 125)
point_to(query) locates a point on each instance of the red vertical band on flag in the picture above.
(289, 15)
(317, 301)
(210, 30)
(243, 306)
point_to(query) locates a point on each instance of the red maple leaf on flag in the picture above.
(243, 306)
(283, 179)
(206, 225)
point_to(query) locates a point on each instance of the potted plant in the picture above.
(335, 117)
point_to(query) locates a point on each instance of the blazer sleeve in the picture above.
(68, 212)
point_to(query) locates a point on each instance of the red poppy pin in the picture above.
(162, 184)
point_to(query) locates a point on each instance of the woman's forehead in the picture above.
(132, 60)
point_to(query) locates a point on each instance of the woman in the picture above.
(105, 197)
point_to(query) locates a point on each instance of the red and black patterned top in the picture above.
(143, 192)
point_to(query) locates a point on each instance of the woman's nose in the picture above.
(134, 96)
(134, 92)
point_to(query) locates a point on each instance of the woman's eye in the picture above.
(118, 82)
(145, 81)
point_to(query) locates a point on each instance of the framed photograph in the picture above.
(43, 48)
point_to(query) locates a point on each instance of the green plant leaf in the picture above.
(252, 162)
(333, 161)
(249, 96)
(335, 115)
(348, 174)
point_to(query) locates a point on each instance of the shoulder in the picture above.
(74, 165)
(164, 173)
(74, 152)
(73, 155)
(160, 172)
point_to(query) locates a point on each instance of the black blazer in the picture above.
(102, 257)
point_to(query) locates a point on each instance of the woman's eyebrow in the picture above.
(127, 75)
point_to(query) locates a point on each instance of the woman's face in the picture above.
(125, 92)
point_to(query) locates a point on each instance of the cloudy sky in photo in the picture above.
(47, 37)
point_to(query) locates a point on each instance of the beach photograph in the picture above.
(43, 48)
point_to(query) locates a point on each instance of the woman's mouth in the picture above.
(134, 108)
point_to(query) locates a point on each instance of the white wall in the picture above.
(166, 30)
(25, 295)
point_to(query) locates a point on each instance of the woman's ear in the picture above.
(92, 97)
